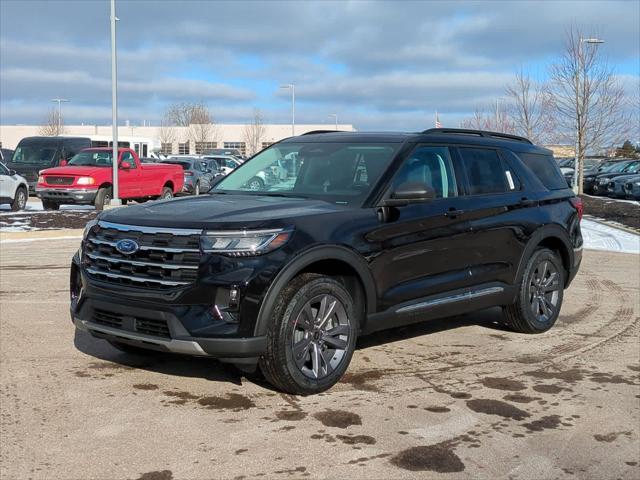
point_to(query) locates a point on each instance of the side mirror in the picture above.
(63, 163)
(125, 165)
(409, 192)
(12, 173)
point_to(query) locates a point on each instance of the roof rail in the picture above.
(479, 133)
(313, 132)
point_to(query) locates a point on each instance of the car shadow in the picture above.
(215, 371)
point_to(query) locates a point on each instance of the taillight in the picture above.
(188, 174)
(577, 204)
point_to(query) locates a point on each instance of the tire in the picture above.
(540, 296)
(20, 199)
(255, 183)
(297, 319)
(167, 193)
(50, 205)
(126, 348)
(196, 189)
(103, 197)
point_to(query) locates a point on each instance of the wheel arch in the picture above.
(335, 261)
(168, 183)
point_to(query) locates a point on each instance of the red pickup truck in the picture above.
(86, 179)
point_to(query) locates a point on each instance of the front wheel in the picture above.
(103, 197)
(540, 297)
(20, 199)
(312, 337)
(50, 205)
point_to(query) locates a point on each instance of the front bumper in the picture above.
(67, 195)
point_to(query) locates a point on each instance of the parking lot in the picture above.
(456, 398)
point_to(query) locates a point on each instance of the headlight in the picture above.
(604, 181)
(88, 227)
(40, 179)
(86, 181)
(638, 184)
(244, 243)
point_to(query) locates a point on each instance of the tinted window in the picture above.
(431, 166)
(484, 171)
(3, 170)
(128, 157)
(545, 169)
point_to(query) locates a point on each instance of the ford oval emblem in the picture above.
(127, 246)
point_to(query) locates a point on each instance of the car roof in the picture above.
(447, 136)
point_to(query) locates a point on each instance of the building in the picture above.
(174, 140)
(562, 151)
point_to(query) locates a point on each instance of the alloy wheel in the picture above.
(544, 291)
(22, 199)
(320, 336)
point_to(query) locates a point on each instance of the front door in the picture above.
(128, 179)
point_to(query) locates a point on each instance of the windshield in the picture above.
(34, 154)
(342, 173)
(632, 167)
(92, 159)
(617, 167)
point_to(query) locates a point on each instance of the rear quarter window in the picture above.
(546, 169)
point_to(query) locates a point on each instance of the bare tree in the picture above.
(531, 108)
(485, 119)
(254, 133)
(201, 127)
(588, 99)
(166, 133)
(53, 126)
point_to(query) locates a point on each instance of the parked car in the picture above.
(87, 179)
(632, 188)
(602, 180)
(591, 166)
(5, 155)
(223, 164)
(14, 189)
(198, 174)
(226, 152)
(616, 186)
(373, 231)
(34, 154)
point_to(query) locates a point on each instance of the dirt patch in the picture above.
(180, 397)
(519, 398)
(327, 438)
(634, 368)
(439, 458)
(608, 378)
(338, 418)
(48, 220)
(545, 423)
(621, 212)
(291, 415)
(355, 439)
(145, 386)
(552, 389)
(570, 376)
(159, 475)
(610, 437)
(497, 407)
(503, 384)
(363, 380)
(460, 395)
(233, 401)
(437, 409)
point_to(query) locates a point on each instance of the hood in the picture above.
(221, 211)
(75, 170)
(626, 178)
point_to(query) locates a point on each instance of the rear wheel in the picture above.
(313, 335)
(20, 199)
(50, 205)
(255, 183)
(103, 197)
(540, 296)
(167, 194)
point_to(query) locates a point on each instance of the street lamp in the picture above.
(115, 200)
(293, 106)
(60, 101)
(577, 167)
(335, 116)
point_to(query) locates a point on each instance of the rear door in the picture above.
(496, 211)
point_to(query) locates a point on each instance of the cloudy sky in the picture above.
(378, 65)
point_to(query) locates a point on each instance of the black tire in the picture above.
(255, 183)
(196, 189)
(538, 305)
(20, 199)
(50, 205)
(167, 193)
(301, 377)
(126, 348)
(103, 197)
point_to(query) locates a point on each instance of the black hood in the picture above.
(220, 211)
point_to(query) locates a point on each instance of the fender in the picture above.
(306, 258)
(542, 233)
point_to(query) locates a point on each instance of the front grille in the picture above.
(146, 326)
(58, 180)
(166, 258)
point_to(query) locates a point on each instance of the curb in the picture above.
(616, 225)
(39, 235)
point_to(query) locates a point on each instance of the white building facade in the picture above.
(175, 140)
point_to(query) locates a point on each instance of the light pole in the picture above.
(293, 106)
(498, 100)
(335, 116)
(115, 200)
(60, 101)
(577, 167)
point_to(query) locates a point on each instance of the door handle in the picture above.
(454, 212)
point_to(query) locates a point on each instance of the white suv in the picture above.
(13, 189)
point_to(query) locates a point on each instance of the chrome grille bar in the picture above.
(136, 279)
(140, 263)
(147, 247)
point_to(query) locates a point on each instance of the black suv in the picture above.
(362, 232)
